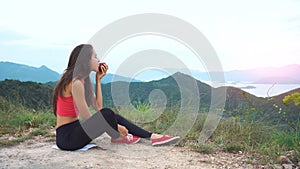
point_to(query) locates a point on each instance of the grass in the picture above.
(19, 124)
(232, 134)
(149, 119)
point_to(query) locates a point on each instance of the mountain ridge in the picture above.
(269, 75)
(43, 74)
(22, 72)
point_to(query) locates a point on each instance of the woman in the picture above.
(74, 94)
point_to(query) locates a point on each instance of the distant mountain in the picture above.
(21, 72)
(283, 75)
(14, 71)
(269, 75)
(108, 78)
(277, 80)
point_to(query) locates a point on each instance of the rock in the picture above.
(277, 166)
(11, 138)
(298, 164)
(284, 160)
(291, 153)
(287, 166)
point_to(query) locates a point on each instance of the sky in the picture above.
(244, 34)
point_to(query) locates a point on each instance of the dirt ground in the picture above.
(38, 153)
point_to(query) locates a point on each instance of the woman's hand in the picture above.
(100, 75)
(122, 130)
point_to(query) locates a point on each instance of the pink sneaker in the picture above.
(129, 139)
(165, 140)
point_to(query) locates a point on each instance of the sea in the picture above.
(265, 90)
(259, 90)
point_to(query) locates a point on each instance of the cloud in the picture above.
(16, 39)
(10, 35)
(238, 30)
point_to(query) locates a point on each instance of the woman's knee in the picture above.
(107, 113)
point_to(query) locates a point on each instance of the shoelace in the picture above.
(129, 137)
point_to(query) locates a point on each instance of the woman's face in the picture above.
(94, 62)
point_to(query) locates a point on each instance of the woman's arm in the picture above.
(98, 98)
(79, 99)
(99, 101)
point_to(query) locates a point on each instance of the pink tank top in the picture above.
(66, 107)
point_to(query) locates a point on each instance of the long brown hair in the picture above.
(78, 68)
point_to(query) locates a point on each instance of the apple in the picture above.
(100, 65)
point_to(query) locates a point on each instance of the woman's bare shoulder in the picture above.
(77, 85)
(77, 82)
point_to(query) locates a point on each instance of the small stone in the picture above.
(11, 138)
(291, 153)
(277, 166)
(283, 160)
(287, 166)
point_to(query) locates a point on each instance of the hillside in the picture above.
(32, 95)
(140, 91)
(238, 102)
(37, 95)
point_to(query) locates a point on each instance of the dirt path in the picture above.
(38, 153)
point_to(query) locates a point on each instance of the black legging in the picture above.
(73, 136)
